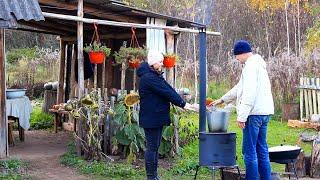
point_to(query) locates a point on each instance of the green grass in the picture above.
(278, 133)
(184, 166)
(13, 169)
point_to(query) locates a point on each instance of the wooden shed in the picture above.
(73, 21)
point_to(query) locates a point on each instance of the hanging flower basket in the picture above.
(170, 60)
(97, 52)
(96, 57)
(132, 56)
(134, 63)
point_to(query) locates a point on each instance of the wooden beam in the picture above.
(115, 36)
(80, 72)
(44, 28)
(32, 29)
(125, 24)
(92, 10)
(54, 26)
(3, 116)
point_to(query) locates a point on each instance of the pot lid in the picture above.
(284, 148)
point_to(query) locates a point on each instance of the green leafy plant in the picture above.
(126, 54)
(40, 120)
(96, 47)
(128, 132)
(167, 147)
(13, 169)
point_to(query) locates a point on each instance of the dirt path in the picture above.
(42, 150)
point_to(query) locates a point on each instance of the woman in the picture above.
(155, 98)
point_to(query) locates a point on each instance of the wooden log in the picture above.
(50, 99)
(314, 97)
(233, 175)
(300, 166)
(3, 116)
(315, 159)
(301, 124)
(61, 72)
(307, 163)
(301, 100)
(305, 92)
(80, 72)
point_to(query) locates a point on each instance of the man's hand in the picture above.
(241, 125)
(216, 102)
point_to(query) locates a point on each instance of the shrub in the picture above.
(40, 120)
(15, 55)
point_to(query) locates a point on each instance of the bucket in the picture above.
(218, 120)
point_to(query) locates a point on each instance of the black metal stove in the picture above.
(213, 147)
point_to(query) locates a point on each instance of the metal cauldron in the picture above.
(218, 120)
(284, 153)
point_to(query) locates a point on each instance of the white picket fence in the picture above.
(309, 97)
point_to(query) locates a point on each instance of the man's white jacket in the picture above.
(253, 91)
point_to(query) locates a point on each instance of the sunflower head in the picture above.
(131, 99)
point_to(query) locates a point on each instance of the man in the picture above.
(155, 98)
(254, 107)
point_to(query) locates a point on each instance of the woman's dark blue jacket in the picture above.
(155, 97)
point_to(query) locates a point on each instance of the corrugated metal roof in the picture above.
(12, 10)
(121, 8)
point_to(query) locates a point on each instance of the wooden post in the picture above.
(107, 148)
(318, 93)
(309, 98)
(80, 72)
(170, 49)
(3, 116)
(134, 79)
(306, 103)
(301, 99)
(123, 76)
(95, 77)
(62, 71)
(72, 78)
(170, 79)
(68, 73)
(314, 97)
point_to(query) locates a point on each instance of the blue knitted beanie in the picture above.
(241, 47)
